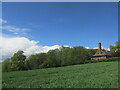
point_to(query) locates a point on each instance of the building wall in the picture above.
(96, 58)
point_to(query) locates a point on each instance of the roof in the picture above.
(101, 52)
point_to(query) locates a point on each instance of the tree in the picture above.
(53, 59)
(80, 54)
(42, 58)
(17, 61)
(74, 55)
(115, 50)
(65, 55)
(32, 62)
(14, 65)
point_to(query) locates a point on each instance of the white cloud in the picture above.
(95, 48)
(108, 49)
(2, 21)
(87, 47)
(38, 49)
(11, 45)
(14, 29)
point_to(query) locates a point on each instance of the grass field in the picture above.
(0, 75)
(94, 75)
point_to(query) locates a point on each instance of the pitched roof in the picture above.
(101, 52)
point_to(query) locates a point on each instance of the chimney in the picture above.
(99, 46)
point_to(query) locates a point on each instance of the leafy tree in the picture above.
(14, 65)
(19, 56)
(65, 55)
(17, 61)
(32, 62)
(42, 58)
(52, 59)
(35, 61)
(74, 55)
(80, 54)
(115, 50)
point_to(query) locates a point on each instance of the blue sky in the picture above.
(73, 24)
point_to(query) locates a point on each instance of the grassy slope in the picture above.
(0, 75)
(94, 75)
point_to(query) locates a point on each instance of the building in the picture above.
(101, 53)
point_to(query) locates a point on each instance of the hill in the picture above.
(94, 75)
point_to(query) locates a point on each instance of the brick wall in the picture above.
(95, 58)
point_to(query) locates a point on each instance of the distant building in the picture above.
(101, 53)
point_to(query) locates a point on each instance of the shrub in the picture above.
(103, 60)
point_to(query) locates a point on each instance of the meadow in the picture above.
(91, 75)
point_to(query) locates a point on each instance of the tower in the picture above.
(99, 46)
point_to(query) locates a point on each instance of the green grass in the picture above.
(93, 75)
(0, 75)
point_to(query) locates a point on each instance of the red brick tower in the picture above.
(99, 46)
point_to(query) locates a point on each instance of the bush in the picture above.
(114, 59)
(103, 60)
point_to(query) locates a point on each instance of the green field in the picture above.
(93, 75)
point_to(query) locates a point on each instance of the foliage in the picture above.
(14, 63)
(35, 61)
(42, 59)
(6, 65)
(53, 58)
(32, 62)
(115, 50)
(17, 61)
(104, 60)
(91, 52)
(19, 56)
(94, 75)
(66, 56)
(75, 55)
(63, 56)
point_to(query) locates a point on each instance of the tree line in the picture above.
(63, 56)
(53, 58)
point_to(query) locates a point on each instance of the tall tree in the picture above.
(17, 61)
(32, 62)
(52, 59)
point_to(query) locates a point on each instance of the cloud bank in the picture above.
(11, 45)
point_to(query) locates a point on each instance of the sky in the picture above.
(42, 26)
